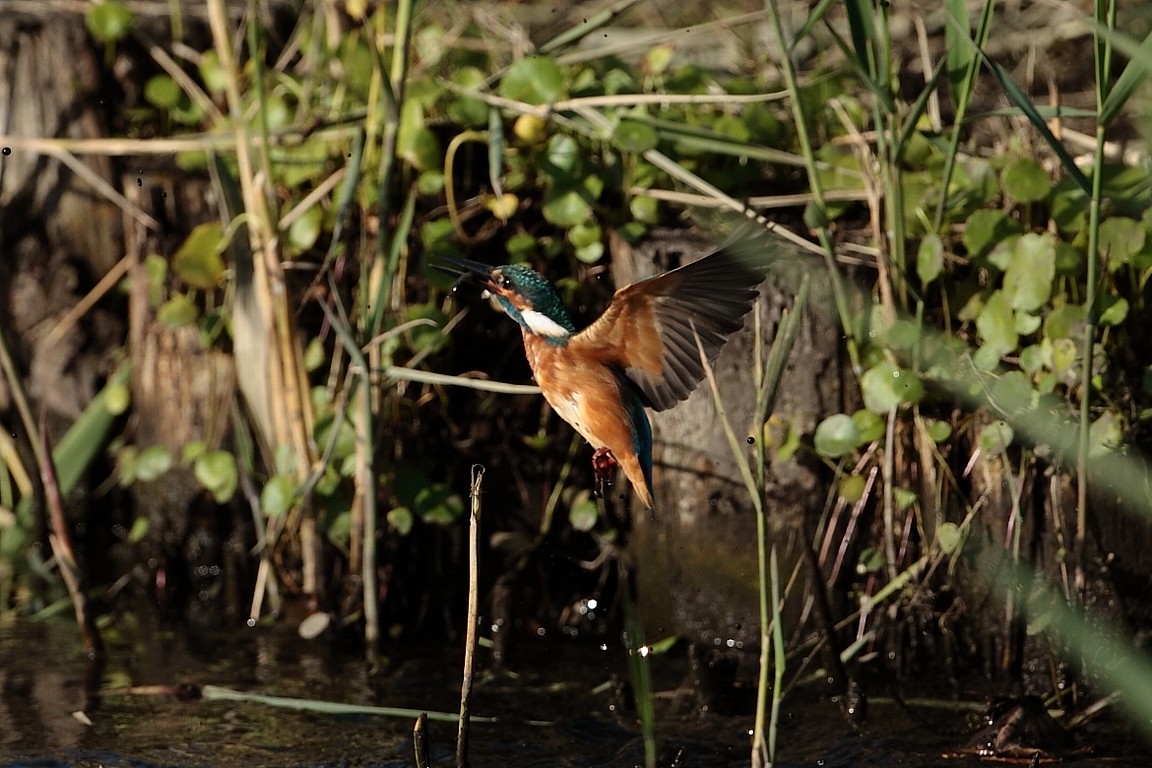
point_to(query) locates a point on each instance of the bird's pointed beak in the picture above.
(466, 271)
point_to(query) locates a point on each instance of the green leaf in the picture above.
(1025, 180)
(305, 230)
(583, 513)
(153, 462)
(995, 438)
(198, 262)
(644, 208)
(216, 472)
(930, 258)
(836, 436)
(869, 426)
(1116, 311)
(563, 157)
(401, 520)
(996, 326)
(985, 228)
(214, 77)
(139, 530)
(117, 398)
(534, 80)
(178, 312)
(1105, 435)
(948, 536)
(566, 207)
(851, 488)
(108, 21)
(162, 91)
(466, 110)
(887, 385)
(1028, 281)
(938, 431)
(277, 495)
(633, 136)
(416, 144)
(1121, 238)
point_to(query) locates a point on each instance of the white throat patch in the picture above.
(541, 324)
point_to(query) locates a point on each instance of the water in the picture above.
(560, 705)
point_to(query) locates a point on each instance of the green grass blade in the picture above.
(1135, 73)
(219, 693)
(1021, 100)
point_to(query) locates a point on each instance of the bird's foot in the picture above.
(604, 464)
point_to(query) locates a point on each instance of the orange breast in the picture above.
(586, 394)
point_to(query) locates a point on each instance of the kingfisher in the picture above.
(641, 352)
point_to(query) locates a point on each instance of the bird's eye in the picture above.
(506, 283)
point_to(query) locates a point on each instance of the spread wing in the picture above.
(647, 330)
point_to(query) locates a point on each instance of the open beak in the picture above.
(466, 271)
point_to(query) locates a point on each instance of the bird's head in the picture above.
(521, 292)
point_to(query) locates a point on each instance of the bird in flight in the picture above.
(641, 352)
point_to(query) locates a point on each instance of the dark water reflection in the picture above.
(43, 682)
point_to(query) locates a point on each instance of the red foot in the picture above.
(604, 464)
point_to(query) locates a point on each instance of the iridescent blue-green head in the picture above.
(525, 295)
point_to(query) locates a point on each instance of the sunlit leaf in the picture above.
(851, 488)
(1025, 180)
(162, 91)
(277, 495)
(632, 136)
(153, 462)
(198, 262)
(930, 258)
(887, 385)
(305, 230)
(178, 312)
(995, 438)
(534, 80)
(1121, 238)
(216, 472)
(997, 326)
(1105, 434)
(836, 436)
(1115, 312)
(108, 21)
(1028, 281)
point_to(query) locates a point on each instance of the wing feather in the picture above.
(649, 330)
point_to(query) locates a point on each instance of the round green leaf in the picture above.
(178, 312)
(162, 91)
(401, 520)
(117, 398)
(887, 385)
(108, 21)
(534, 80)
(632, 136)
(198, 262)
(566, 208)
(996, 326)
(305, 230)
(1115, 311)
(1028, 281)
(836, 436)
(851, 488)
(1121, 238)
(870, 426)
(585, 234)
(985, 228)
(644, 208)
(277, 495)
(153, 462)
(938, 431)
(1105, 434)
(930, 258)
(216, 471)
(995, 438)
(1025, 180)
(583, 514)
(211, 73)
(948, 537)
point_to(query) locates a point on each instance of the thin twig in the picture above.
(473, 617)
